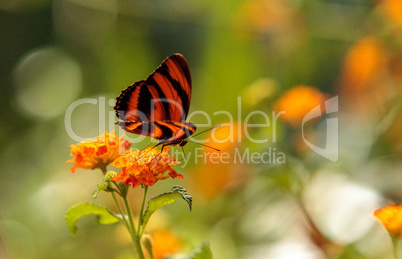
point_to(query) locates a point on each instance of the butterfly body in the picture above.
(158, 106)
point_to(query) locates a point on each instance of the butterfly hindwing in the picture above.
(128, 102)
(174, 131)
(165, 131)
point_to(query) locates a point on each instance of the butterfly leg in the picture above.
(146, 148)
(148, 143)
(163, 146)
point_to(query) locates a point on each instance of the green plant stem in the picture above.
(138, 248)
(103, 168)
(140, 227)
(122, 193)
(130, 216)
(395, 244)
(133, 232)
(151, 255)
(130, 223)
(121, 212)
(125, 223)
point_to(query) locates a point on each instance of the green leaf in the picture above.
(202, 252)
(105, 217)
(165, 199)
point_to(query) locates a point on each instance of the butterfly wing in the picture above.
(158, 106)
(174, 132)
(168, 131)
(131, 105)
(170, 87)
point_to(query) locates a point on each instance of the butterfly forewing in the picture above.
(170, 87)
(158, 106)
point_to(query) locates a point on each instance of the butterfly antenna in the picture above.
(204, 145)
(217, 126)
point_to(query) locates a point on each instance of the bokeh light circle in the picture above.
(47, 81)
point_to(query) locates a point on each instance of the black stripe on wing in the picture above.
(145, 101)
(179, 93)
(139, 101)
(186, 81)
(145, 128)
(174, 131)
(176, 105)
(154, 86)
(133, 104)
(167, 131)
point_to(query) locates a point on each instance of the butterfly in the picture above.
(158, 106)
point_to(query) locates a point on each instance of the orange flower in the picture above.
(164, 243)
(365, 81)
(98, 153)
(391, 217)
(262, 15)
(218, 173)
(297, 102)
(363, 61)
(393, 10)
(145, 167)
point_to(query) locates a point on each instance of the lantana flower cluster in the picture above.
(91, 154)
(143, 167)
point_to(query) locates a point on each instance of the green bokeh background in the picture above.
(54, 53)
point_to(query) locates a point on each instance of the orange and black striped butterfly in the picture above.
(158, 106)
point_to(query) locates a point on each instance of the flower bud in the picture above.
(109, 176)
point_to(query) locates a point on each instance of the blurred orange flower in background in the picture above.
(145, 167)
(164, 243)
(362, 62)
(393, 10)
(98, 153)
(297, 102)
(365, 80)
(218, 172)
(263, 14)
(391, 217)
